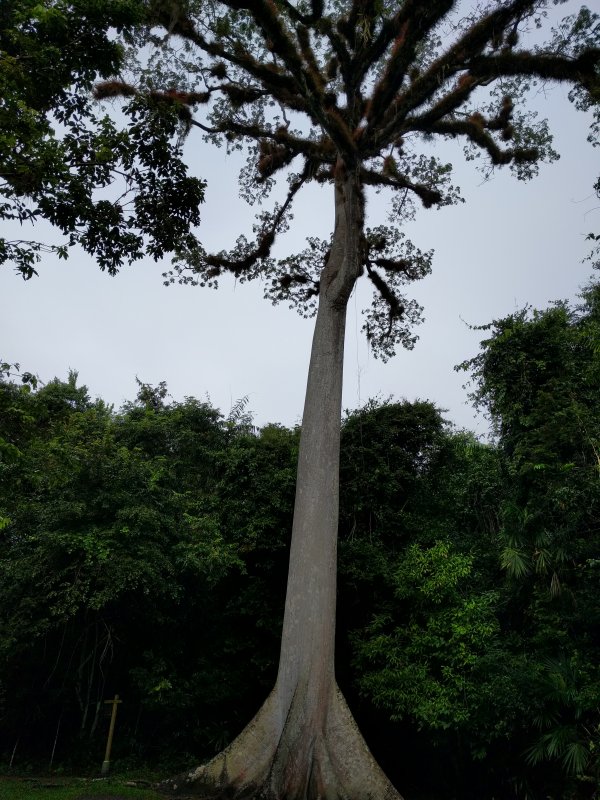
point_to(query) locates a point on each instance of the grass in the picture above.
(71, 789)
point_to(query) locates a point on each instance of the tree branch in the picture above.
(390, 29)
(474, 130)
(321, 152)
(265, 241)
(581, 70)
(429, 197)
(456, 59)
(282, 86)
(325, 27)
(396, 309)
(415, 21)
(309, 82)
(315, 15)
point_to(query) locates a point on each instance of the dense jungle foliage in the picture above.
(144, 552)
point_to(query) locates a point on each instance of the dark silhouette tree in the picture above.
(346, 94)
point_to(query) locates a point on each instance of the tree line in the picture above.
(144, 552)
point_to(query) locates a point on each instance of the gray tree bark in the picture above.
(304, 744)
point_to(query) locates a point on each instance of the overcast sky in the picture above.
(509, 244)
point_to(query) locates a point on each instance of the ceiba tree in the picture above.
(348, 93)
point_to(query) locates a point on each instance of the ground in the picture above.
(59, 788)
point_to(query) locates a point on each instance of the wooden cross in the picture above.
(106, 763)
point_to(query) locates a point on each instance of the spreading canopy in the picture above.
(364, 86)
(306, 87)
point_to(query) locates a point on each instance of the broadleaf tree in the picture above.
(119, 191)
(350, 94)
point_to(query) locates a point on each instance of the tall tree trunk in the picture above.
(304, 744)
